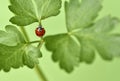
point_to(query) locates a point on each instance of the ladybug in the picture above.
(40, 31)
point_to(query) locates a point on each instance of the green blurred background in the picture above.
(100, 70)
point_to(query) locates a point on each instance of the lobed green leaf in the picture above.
(15, 52)
(47, 8)
(30, 11)
(81, 15)
(85, 36)
(65, 50)
(99, 37)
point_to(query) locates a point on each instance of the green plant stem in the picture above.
(37, 68)
(25, 33)
(40, 73)
(41, 42)
(37, 41)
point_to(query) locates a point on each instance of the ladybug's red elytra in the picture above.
(40, 31)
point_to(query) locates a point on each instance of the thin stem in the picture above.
(37, 68)
(40, 73)
(25, 33)
(41, 43)
(40, 23)
(37, 41)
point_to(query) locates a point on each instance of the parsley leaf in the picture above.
(81, 15)
(47, 8)
(30, 11)
(88, 37)
(99, 37)
(65, 50)
(15, 52)
(12, 37)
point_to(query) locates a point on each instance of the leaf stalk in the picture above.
(37, 68)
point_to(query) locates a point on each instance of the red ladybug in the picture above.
(40, 31)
